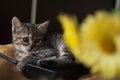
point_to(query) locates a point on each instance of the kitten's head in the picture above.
(28, 36)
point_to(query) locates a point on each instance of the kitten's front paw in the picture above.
(21, 65)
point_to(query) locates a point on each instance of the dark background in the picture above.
(46, 10)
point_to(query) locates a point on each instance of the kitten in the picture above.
(33, 47)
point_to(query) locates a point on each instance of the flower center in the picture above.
(108, 46)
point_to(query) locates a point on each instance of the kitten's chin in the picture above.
(22, 48)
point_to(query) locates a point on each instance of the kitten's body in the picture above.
(32, 46)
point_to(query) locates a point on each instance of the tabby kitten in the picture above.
(33, 47)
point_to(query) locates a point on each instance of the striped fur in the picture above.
(31, 47)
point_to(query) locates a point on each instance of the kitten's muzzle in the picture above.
(31, 47)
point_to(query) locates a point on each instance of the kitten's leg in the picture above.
(58, 62)
(32, 58)
(24, 60)
(29, 72)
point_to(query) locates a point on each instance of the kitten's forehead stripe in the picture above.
(31, 32)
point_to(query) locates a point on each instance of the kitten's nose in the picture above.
(31, 47)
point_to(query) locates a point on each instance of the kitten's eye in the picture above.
(26, 39)
(37, 40)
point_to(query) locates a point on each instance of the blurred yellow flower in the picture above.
(100, 36)
(98, 42)
(71, 33)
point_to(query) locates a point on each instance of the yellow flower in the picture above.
(97, 42)
(71, 35)
(100, 46)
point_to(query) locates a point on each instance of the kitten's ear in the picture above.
(43, 27)
(16, 22)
